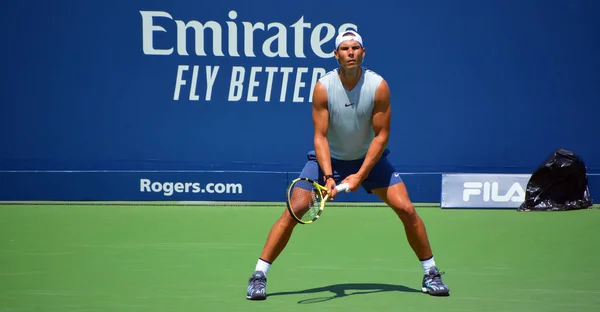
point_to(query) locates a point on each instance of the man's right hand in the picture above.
(330, 186)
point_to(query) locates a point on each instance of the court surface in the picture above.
(169, 258)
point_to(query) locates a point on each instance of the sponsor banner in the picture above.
(142, 186)
(483, 190)
(229, 56)
(457, 190)
(178, 186)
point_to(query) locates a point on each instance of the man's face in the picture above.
(350, 54)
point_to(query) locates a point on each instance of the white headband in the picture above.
(348, 35)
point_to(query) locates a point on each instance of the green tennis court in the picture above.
(168, 258)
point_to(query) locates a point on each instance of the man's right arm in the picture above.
(320, 115)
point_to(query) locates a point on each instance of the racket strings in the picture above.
(304, 200)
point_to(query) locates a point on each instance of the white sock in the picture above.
(262, 265)
(427, 264)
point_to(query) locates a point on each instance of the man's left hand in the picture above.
(354, 181)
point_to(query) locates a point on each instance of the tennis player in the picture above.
(351, 117)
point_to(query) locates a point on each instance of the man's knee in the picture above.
(404, 208)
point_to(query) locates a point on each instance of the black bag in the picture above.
(559, 184)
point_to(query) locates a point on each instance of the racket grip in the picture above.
(342, 187)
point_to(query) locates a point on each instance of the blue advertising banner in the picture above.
(142, 186)
(155, 85)
(176, 186)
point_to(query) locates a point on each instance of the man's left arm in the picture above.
(382, 112)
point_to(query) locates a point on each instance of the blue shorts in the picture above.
(383, 173)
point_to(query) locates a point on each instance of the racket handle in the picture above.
(342, 187)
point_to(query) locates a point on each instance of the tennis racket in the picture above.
(306, 199)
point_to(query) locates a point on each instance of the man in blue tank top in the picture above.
(351, 116)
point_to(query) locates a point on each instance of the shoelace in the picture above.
(437, 277)
(260, 282)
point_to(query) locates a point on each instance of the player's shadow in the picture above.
(345, 290)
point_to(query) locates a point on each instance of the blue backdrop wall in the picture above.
(477, 86)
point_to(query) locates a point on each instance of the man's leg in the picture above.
(397, 198)
(387, 184)
(278, 237)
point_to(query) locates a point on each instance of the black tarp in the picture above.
(559, 183)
